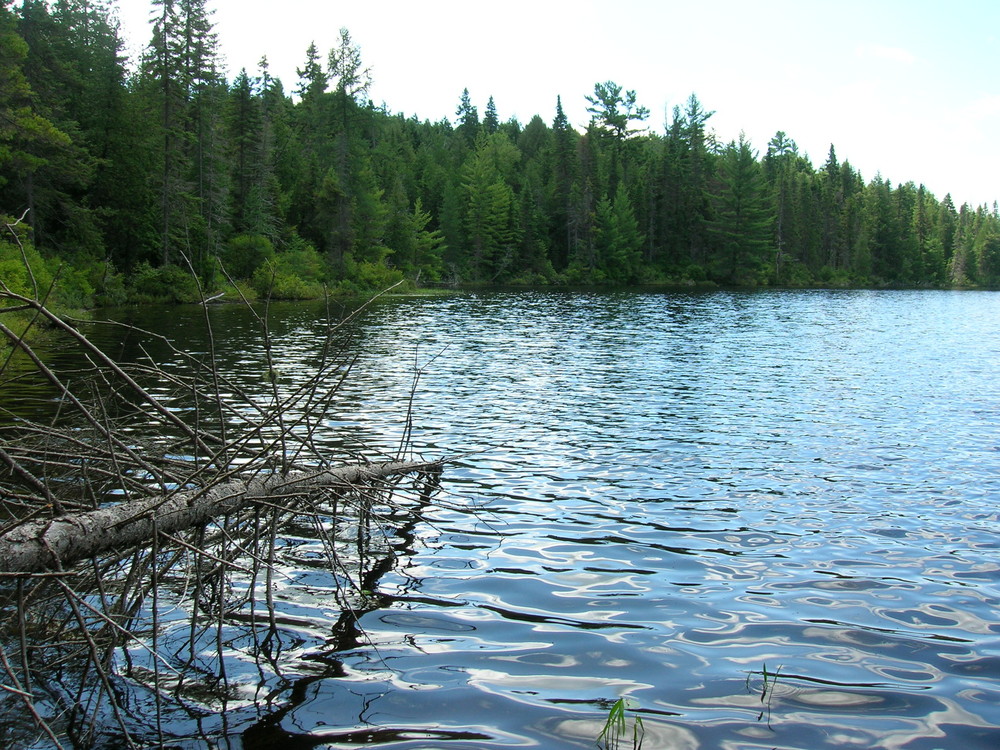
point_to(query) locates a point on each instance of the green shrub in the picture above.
(696, 273)
(274, 281)
(164, 284)
(238, 291)
(72, 289)
(108, 284)
(245, 253)
(372, 277)
(14, 273)
(297, 272)
(301, 259)
(834, 277)
(795, 274)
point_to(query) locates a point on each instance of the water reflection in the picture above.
(664, 494)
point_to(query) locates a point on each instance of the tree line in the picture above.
(130, 175)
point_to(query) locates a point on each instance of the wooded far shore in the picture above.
(157, 179)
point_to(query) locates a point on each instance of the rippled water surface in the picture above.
(671, 498)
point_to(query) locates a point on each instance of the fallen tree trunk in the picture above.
(54, 544)
(209, 524)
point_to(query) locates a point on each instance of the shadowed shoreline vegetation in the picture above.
(159, 180)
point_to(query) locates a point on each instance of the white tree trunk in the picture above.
(56, 543)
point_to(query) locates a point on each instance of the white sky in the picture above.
(906, 88)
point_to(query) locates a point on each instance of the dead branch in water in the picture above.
(52, 544)
(149, 512)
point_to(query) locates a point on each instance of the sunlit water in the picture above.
(669, 497)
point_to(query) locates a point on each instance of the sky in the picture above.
(908, 89)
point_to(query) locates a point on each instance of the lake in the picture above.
(766, 519)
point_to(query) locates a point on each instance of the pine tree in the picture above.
(614, 112)
(986, 248)
(618, 239)
(165, 71)
(467, 122)
(565, 173)
(41, 123)
(930, 267)
(695, 173)
(491, 122)
(344, 66)
(779, 168)
(742, 226)
(490, 222)
(352, 79)
(245, 137)
(180, 75)
(312, 79)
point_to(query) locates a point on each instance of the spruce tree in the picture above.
(45, 109)
(491, 122)
(467, 119)
(741, 230)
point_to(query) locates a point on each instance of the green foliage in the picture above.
(73, 288)
(468, 118)
(614, 111)
(245, 253)
(64, 286)
(167, 283)
(31, 279)
(618, 240)
(135, 170)
(794, 274)
(492, 231)
(298, 272)
(300, 258)
(372, 277)
(108, 284)
(987, 253)
(742, 226)
(271, 282)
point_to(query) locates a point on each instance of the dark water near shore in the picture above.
(667, 492)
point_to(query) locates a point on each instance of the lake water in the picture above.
(670, 498)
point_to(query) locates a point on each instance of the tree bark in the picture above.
(56, 543)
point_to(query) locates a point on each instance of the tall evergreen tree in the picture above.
(245, 137)
(696, 170)
(467, 118)
(491, 122)
(742, 226)
(491, 227)
(45, 110)
(779, 169)
(165, 71)
(565, 173)
(312, 78)
(618, 239)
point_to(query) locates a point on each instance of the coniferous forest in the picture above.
(121, 177)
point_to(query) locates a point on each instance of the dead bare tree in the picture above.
(140, 544)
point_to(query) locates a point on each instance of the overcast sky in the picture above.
(906, 88)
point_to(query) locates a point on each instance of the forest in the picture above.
(158, 179)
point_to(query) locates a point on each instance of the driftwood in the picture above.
(54, 544)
